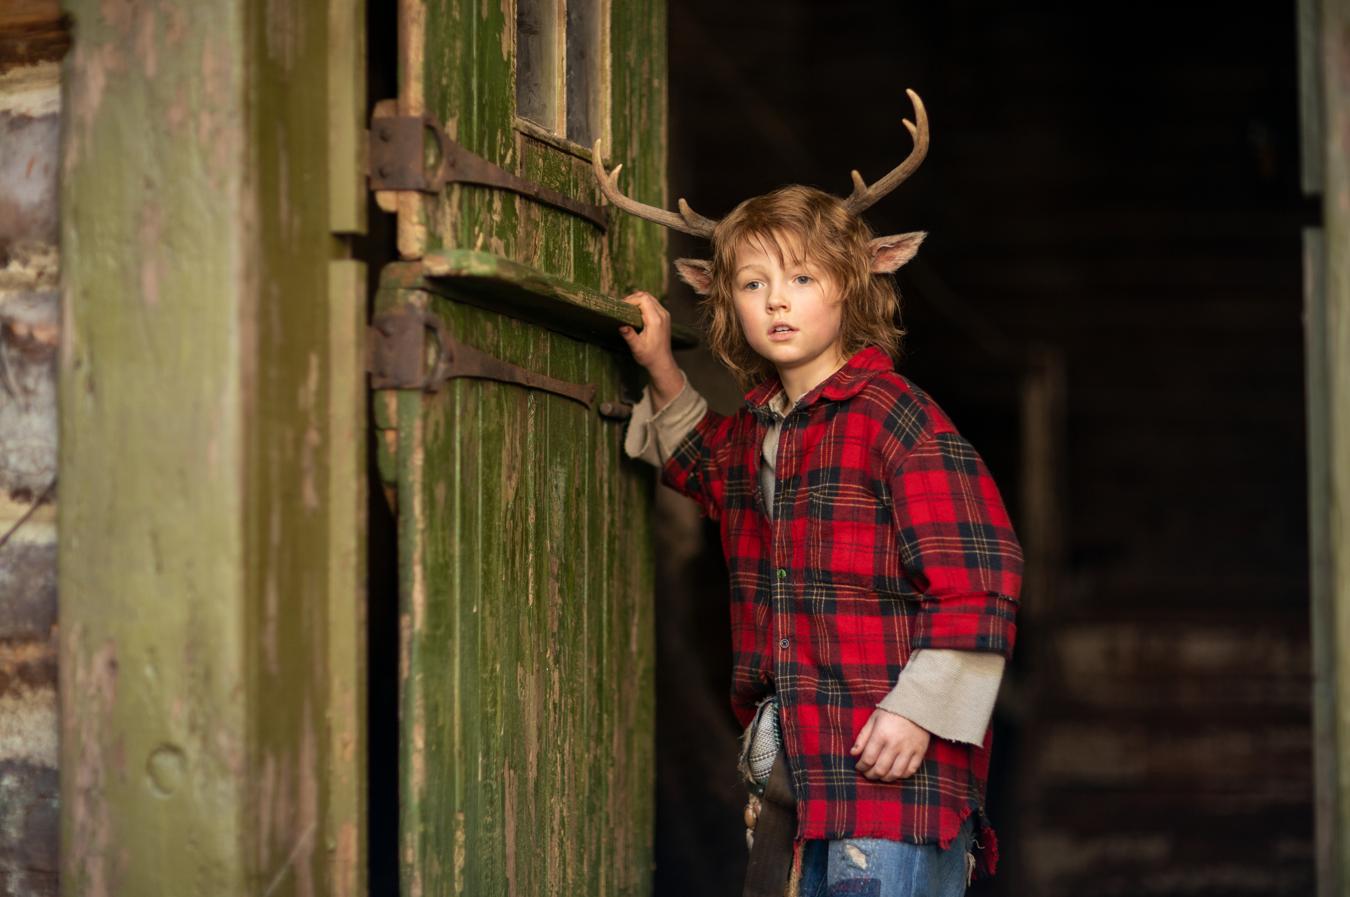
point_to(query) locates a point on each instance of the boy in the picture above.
(874, 571)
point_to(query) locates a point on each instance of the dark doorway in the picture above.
(1126, 198)
(377, 248)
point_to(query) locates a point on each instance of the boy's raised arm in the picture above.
(655, 430)
(651, 348)
(672, 426)
(669, 407)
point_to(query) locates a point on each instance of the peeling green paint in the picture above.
(525, 543)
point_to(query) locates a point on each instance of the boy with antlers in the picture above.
(875, 574)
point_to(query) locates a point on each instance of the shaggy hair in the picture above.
(798, 224)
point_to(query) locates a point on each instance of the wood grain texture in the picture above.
(525, 545)
(1333, 419)
(534, 292)
(527, 657)
(211, 417)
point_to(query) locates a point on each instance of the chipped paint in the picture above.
(509, 830)
(412, 231)
(346, 860)
(282, 30)
(212, 765)
(92, 67)
(459, 852)
(308, 818)
(268, 785)
(93, 681)
(311, 439)
(511, 597)
(151, 235)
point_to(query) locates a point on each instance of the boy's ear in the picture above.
(697, 273)
(889, 253)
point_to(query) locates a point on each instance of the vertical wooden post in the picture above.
(1325, 29)
(1322, 612)
(1042, 518)
(212, 447)
(1041, 527)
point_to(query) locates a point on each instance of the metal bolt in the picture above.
(385, 134)
(383, 171)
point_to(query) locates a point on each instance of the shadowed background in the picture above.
(1115, 211)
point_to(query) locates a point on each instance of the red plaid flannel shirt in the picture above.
(888, 536)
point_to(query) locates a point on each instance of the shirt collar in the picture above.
(844, 383)
(778, 403)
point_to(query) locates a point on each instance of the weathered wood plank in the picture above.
(347, 529)
(199, 740)
(1333, 409)
(551, 695)
(526, 673)
(564, 304)
(1322, 610)
(637, 249)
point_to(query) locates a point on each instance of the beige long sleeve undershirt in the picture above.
(948, 692)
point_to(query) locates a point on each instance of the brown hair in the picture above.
(799, 218)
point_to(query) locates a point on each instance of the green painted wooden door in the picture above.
(524, 537)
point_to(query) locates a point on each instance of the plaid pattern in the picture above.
(888, 535)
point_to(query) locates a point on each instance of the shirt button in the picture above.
(782, 573)
(783, 643)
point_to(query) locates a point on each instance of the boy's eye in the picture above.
(802, 279)
(751, 285)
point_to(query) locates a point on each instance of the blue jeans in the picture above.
(872, 867)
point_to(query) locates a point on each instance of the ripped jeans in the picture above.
(872, 867)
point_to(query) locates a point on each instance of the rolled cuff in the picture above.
(654, 435)
(975, 622)
(950, 693)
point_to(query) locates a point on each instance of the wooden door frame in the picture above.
(212, 423)
(1324, 37)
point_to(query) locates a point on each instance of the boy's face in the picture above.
(790, 312)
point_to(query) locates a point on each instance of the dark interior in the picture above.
(1112, 199)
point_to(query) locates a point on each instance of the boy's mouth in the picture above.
(781, 331)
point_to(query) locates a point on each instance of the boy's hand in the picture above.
(891, 747)
(651, 347)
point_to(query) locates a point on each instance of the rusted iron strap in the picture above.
(397, 352)
(398, 162)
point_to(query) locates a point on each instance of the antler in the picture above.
(690, 222)
(864, 196)
(687, 221)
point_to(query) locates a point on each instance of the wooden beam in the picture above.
(211, 455)
(1329, 438)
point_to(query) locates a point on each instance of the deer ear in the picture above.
(697, 273)
(889, 253)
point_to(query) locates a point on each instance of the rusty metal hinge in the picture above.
(397, 357)
(398, 161)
